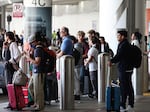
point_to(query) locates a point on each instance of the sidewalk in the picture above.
(142, 104)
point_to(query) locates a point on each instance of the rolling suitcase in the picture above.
(112, 92)
(113, 99)
(25, 93)
(16, 97)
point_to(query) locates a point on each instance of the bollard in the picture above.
(67, 82)
(103, 58)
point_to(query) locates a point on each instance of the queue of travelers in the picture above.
(89, 48)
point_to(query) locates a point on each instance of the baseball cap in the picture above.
(31, 38)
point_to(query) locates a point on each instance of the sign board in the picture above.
(38, 3)
(38, 17)
(18, 10)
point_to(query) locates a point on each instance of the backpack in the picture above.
(50, 60)
(76, 55)
(136, 56)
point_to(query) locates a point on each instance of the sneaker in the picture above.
(122, 109)
(30, 103)
(130, 109)
(47, 102)
(90, 96)
(8, 107)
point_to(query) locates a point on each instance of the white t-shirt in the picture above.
(102, 47)
(93, 63)
(14, 52)
(136, 43)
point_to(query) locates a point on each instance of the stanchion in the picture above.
(103, 58)
(67, 82)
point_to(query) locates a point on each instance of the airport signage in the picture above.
(38, 3)
(17, 10)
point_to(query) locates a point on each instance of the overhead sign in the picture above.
(37, 3)
(18, 10)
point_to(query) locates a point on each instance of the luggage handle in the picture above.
(111, 82)
(108, 76)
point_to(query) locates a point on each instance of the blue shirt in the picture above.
(67, 46)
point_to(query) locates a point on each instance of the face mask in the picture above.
(32, 46)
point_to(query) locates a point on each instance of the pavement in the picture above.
(142, 104)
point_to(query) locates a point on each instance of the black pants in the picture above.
(8, 75)
(126, 88)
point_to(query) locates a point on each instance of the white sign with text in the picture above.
(37, 3)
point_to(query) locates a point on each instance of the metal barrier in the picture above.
(67, 82)
(103, 58)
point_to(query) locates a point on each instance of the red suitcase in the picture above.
(25, 93)
(16, 97)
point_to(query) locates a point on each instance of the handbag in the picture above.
(9, 66)
(19, 78)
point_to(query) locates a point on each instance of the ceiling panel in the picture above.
(64, 2)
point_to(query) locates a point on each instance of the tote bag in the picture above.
(20, 78)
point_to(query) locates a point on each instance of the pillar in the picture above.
(37, 18)
(38, 14)
(142, 75)
(3, 17)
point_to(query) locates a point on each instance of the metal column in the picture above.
(103, 58)
(67, 82)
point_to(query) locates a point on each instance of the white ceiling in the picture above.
(54, 2)
(59, 2)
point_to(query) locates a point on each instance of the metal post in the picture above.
(67, 82)
(9, 18)
(102, 75)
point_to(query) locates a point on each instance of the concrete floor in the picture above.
(142, 104)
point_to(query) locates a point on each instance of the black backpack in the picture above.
(136, 56)
(76, 54)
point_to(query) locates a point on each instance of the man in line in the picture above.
(67, 45)
(125, 70)
(38, 69)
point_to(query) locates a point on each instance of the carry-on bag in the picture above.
(25, 93)
(112, 94)
(113, 99)
(16, 97)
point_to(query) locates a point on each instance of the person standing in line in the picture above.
(93, 34)
(54, 36)
(38, 71)
(66, 48)
(67, 45)
(85, 47)
(92, 63)
(77, 46)
(125, 70)
(59, 39)
(104, 47)
(134, 39)
(10, 54)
